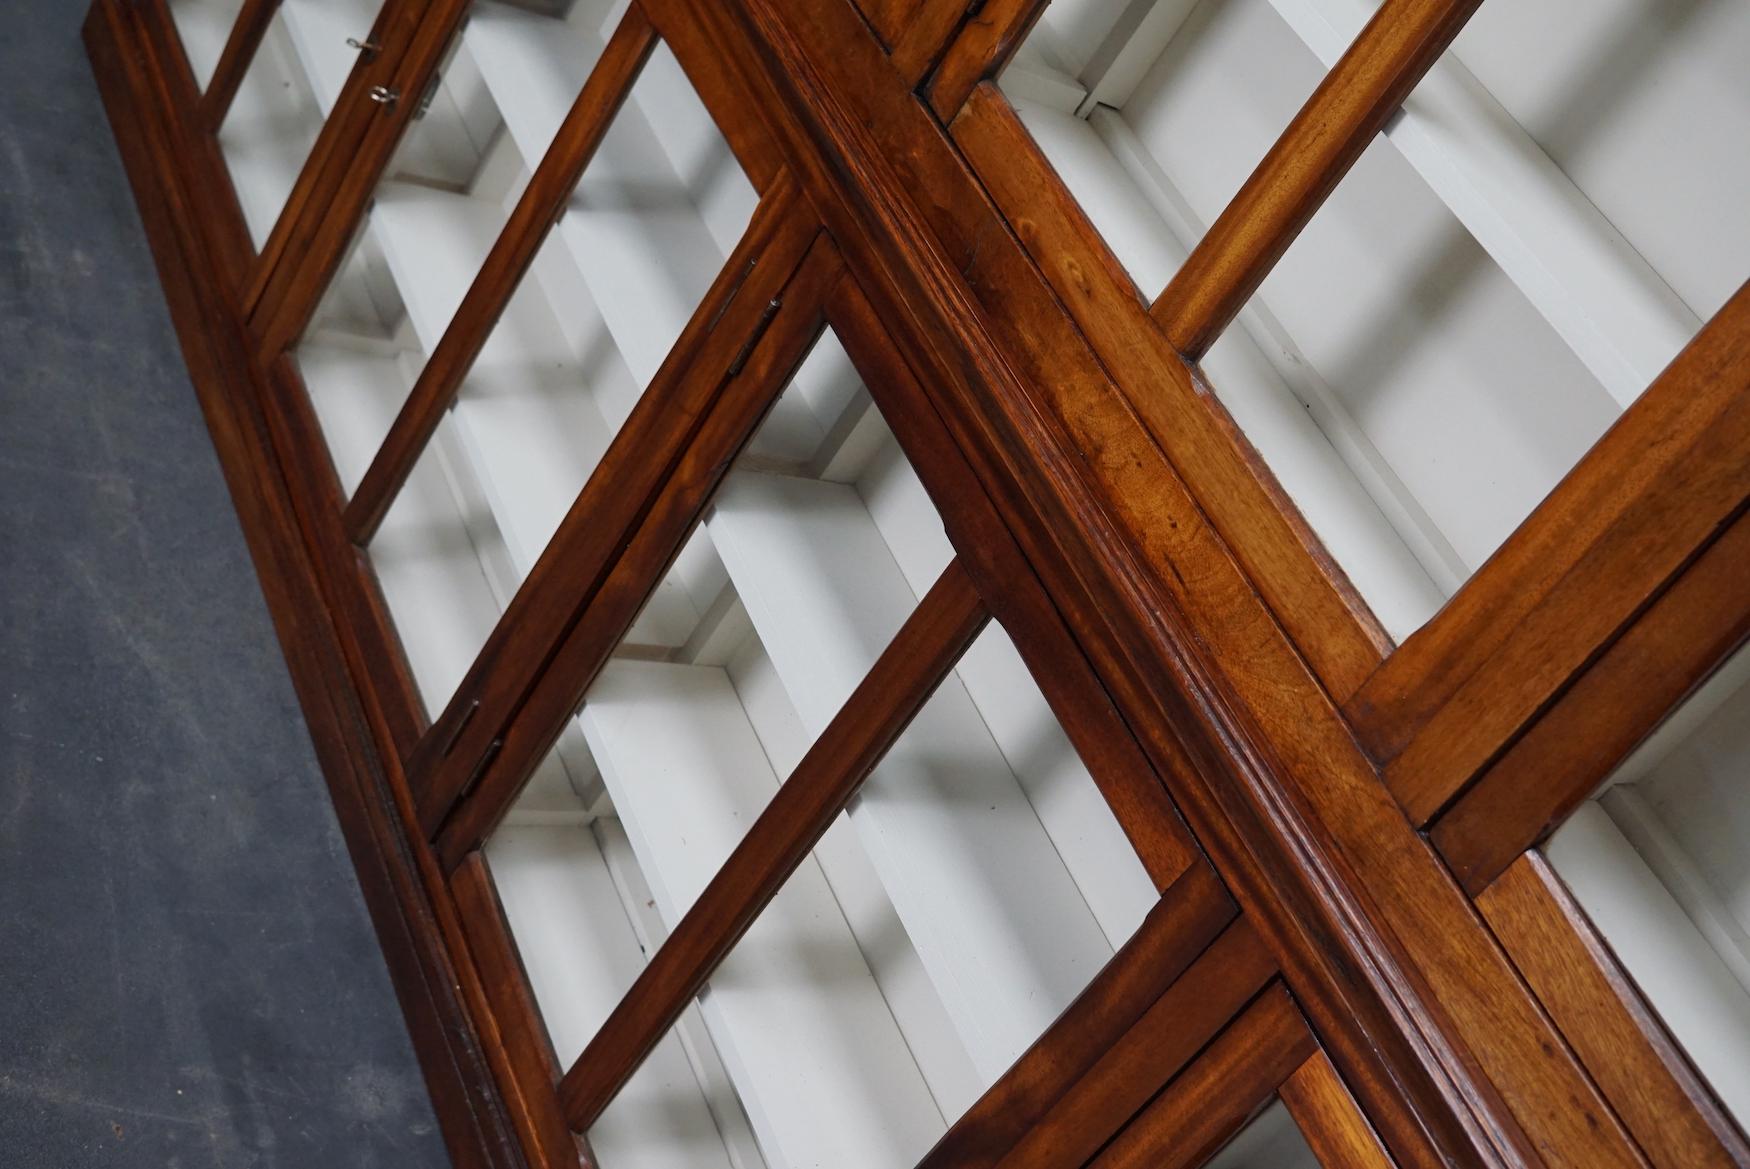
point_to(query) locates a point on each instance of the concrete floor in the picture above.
(187, 974)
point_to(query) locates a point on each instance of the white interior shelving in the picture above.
(1545, 225)
(971, 891)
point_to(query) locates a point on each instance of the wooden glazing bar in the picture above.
(1130, 785)
(356, 598)
(1176, 933)
(979, 53)
(515, 249)
(922, 653)
(247, 32)
(1307, 590)
(1164, 1040)
(1351, 105)
(1212, 1099)
(617, 493)
(530, 1068)
(1619, 700)
(329, 200)
(537, 701)
(1652, 493)
(1328, 1118)
(1670, 1112)
(928, 29)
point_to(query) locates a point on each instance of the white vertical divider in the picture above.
(998, 922)
(691, 1029)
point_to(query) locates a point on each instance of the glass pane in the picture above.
(1498, 277)
(287, 92)
(204, 26)
(660, 206)
(1271, 1140)
(1659, 862)
(972, 889)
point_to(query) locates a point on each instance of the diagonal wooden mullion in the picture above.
(1616, 533)
(1670, 649)
(1163, 1041)
(592, 603)
(1174, 938)
(247, 32)
(1666, 1105)
(1328, 1117)
(513, 252)
(1351, 105)
(621, 490)
(1209, 1102)
(905, 675)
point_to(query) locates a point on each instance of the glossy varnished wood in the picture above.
(527, 1068)
(1190, 913)
(1619, 698)
(538, 707)
(1365, 87)
(159, 157)
(1328, 1118)
(1654, 492)
(1166, 1037)
(616, 497)
(247, 32)
(1234, 1077)
(1252, 729)
(1671, 1113)
(1086, 515)
(1305, 588)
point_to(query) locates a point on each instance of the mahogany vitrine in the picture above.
(1001, 583)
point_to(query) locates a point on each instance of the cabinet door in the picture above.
(580, 212)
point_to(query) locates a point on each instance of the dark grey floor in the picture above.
(187, 974)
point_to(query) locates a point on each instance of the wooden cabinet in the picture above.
(926, 583)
